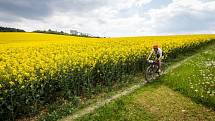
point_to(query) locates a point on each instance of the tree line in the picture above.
(8, 29)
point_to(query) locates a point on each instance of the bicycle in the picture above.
(152, 70)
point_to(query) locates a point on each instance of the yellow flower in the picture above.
(11, 83)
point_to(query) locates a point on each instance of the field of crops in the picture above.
(37, 68)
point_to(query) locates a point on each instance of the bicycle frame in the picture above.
(153, 63)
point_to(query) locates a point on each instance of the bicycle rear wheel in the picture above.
(163, 67)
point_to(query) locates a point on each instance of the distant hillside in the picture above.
(7, 29)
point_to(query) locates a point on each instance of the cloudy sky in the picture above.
(111, 17)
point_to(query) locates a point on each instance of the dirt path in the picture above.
(119, 94)
(169, 69)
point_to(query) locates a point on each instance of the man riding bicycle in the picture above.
(158, 56)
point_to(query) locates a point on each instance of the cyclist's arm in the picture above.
(150, 55)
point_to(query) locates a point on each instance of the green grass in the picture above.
(196, 78)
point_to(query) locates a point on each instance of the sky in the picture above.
(111, 18)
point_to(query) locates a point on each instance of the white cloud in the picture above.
(181, 17)
(121, 17)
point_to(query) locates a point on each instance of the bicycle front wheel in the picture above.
(149, 74)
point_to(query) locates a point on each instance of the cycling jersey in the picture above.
(158, 53)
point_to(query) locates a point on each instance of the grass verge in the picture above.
(195, 78)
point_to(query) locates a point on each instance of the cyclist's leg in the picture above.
(159, 65)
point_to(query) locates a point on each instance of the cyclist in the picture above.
(158, 56)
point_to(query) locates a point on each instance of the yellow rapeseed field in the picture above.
(37, 64)
(22, 53)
